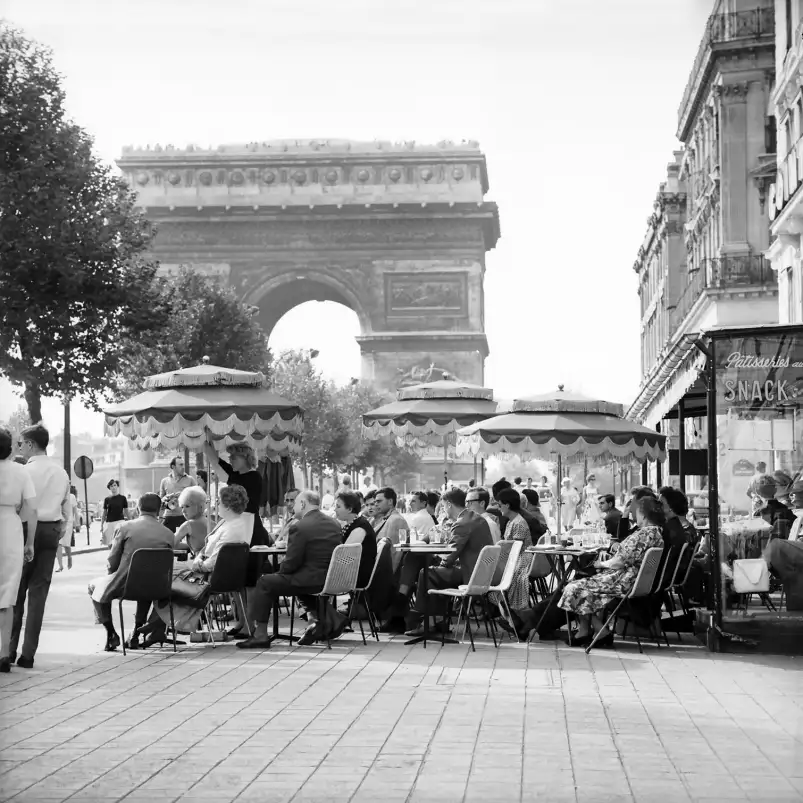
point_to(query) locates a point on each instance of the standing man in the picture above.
(54, 514)
(169, 489)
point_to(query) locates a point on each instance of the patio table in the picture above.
(428, 550)
(275, 552)
(563, 562)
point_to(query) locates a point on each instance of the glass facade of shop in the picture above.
(758, 405)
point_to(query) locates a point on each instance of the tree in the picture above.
(17, 421)
(75, 282)
(200, 318)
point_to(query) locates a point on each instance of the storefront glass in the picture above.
(759, 417)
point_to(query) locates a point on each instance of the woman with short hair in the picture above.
(193, 532)
(357, 530)
(115, 511)
(587, 598)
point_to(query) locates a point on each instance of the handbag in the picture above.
(188, 588)
(751, 576)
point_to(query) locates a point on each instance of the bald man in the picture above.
(302, 573)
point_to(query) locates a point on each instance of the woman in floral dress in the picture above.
(588, 598)
(518, 595)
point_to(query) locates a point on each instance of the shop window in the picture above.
(788, 20)
(771, 136)
(759, 439)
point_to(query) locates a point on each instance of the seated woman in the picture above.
(234, 528)
(588, 598)
(518, 596)
(192, 534)
(357, 530)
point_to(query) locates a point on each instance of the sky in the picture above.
(574, 103)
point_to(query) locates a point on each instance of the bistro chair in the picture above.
(508, 561)
(361, 594)
(478, 586)
(642, 588)
(341, 578)
(681, 570)
(540, 572)
(228, 577)
(150, 577)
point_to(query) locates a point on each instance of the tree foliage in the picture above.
(333, 421)
(198, 318)
(74, 281)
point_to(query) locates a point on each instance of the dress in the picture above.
(591, 511)
(593, 594)
(251, 482)
(368, 556)
(568, 511)
(518, 595)
(15, 485)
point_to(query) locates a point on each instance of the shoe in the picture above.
(5, 665)
(340, 630)
(25, 663)
(308, 636)
(153, 638)
(12, 656)
(394, 626)
(133, 643)
(254, 644)
(237, 635)
(112, 643)
(581, 641)
(60, 569)
(415, 632)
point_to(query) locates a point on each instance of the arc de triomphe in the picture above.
(396, 232)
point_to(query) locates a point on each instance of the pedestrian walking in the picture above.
(54, 515)
(115, 512)
(68, 539)
(16, 494)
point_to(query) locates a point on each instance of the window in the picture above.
(770, 135)
(788, 25)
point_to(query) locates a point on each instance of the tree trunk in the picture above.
(34, 402)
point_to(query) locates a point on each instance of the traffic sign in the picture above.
(83, 468)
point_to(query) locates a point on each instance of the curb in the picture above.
(88, 549)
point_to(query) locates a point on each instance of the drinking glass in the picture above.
(403, 539)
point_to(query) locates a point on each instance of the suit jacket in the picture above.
(310, 550)
(142, 533)
(470, 534)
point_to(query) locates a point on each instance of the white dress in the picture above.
(591, 511)
(15, 485)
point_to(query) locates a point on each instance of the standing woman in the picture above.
(591, 511)
(67, 540)
(17, 503)
(115, 510)
(242, 471)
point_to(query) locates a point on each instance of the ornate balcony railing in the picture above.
(750, 24)
(722, 273)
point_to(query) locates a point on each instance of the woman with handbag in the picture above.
(190, 588)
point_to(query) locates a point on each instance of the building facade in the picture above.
(785, 203)
(702, 263)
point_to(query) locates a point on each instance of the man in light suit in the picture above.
(302, 573)
(470, 533)
(145, 532)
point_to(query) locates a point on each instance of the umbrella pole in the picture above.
(445, 464)
(475, 469)
(558, 496)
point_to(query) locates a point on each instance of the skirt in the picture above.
(11, 555)
(109, 529)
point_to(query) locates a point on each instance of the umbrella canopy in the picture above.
(564, 425)
(423, 412)
(223, 405)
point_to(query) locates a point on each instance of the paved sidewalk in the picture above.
(393, 723)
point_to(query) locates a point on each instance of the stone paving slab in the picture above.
(385, 722)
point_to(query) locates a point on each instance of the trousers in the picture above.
(34, 588)
(271, 586)
(103, 612)
(437, 577)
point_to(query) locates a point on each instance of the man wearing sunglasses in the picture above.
(477, 500)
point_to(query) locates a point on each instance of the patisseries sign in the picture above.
(759, 372)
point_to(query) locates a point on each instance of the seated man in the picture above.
(418, 518)
(145, 532)
(290, 519)
(470, 533)
(302, 573)
(785, 557)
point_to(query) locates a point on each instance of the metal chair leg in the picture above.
(122, 628)
(488, 619)
(209, 625)
(354, 599)
(292, 617)
(172, 624)
(468, 625)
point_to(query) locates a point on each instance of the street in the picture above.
(385, 721)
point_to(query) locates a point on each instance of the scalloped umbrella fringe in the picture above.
(131, 426)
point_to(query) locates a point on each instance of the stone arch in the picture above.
(280, 293)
